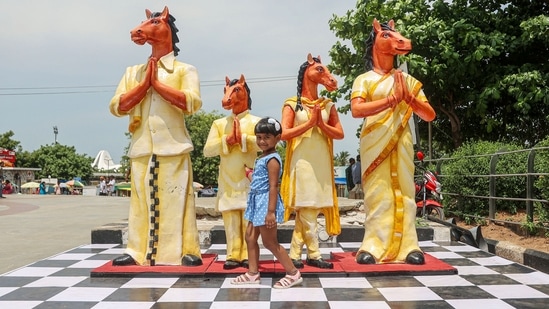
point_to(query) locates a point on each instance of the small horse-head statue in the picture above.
(383, 44)
(236, 95)
(159, 31)
(312, 73)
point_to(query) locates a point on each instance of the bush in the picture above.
(466, 174)
(541, 183)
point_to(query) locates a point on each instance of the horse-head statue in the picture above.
(311, 74)
(383, 44)
(236, 95)
(159, 31)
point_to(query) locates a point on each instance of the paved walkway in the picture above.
(35, 227)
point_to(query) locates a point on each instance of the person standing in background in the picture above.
(349, 175)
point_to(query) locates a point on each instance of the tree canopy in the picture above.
(62, 162)
(483, 63)
(7, 142)
(205, 170)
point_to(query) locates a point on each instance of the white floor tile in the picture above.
(512, 291)
(359, 305)
(152, 282)
(56, 282)
(122, 304)
(445, 255)
(530, 278)
(408, 294)
(475, 270)
(34, 272)
(450, 280)
(189, 295)
(83, 294)
(479, 303)
(298, 294)
(345, 282)
(19, 304)
(492, 260)
(89, 264)
(241, 305)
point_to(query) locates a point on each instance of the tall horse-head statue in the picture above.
(159, 31)
(383, 44)
(236, 95)
(311, 74)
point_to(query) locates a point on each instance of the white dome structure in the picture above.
(104, 161)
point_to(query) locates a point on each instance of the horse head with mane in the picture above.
(383, 44)
(311, 74)
(236, 95)
(159, 31)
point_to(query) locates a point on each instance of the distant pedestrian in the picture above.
(42, 188)
(102, 186)
(349, 175)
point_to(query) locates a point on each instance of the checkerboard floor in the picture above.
(483, 281)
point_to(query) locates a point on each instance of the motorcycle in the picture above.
(428, 192)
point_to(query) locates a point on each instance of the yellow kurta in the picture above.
(310, 164)
(386, 152)
(164, 234)
(233, 185)
(308, 183)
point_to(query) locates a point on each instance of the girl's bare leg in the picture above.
(270, 241)
(252, 234)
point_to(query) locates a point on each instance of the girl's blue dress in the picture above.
(258, 198)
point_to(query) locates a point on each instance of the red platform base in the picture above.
(344, 264)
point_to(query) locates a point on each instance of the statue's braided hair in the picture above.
(300, 75)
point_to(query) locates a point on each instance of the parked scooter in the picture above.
(428, 192)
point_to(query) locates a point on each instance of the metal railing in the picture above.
(493, 177)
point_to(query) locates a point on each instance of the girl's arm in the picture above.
(273, 168)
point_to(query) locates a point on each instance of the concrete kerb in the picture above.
(211, 231)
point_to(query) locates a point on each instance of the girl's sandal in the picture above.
(289, 281)
(246, 278)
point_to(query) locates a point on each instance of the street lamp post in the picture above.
(55, 131)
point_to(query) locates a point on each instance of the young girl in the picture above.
(265, 207)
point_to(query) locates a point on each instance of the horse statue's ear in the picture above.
(242, 79)
(391, 24)
(310, 59)
(377, 26)
(165, 12)
(148, 13)
(227, 80)
(318, 57)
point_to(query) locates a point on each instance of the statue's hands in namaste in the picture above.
(400, 89)
(236, 135)
(315, 116)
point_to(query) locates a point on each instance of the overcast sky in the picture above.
(62, 60)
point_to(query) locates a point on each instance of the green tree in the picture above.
(481, 62)
(60, 161)
(341, 158)
(7, 142)
(205, 170)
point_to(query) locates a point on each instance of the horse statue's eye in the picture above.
(385, 34)
(320, 69)
(237, 89)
